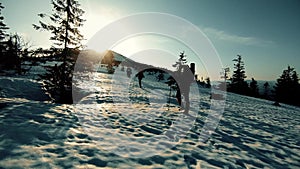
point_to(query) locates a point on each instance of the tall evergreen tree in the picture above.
(13, 52)
(64, 26)
(12, 47)
(287, 89)
(3, 26)
(254, 88)
(266, 90)
(181, 61)
(238, 83)
(225, 74)
(295, 78)
(65, 22)
(3, 36)
(239, 72)
(17, 51)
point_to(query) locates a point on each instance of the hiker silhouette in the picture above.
(140, 76)
(184, 79)
(129, 72)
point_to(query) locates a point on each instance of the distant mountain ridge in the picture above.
(107, 61)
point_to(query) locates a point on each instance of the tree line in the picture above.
(286, 89)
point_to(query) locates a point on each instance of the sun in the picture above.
(97, 17)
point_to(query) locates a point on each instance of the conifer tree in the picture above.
(64, 25)
(181, 61)
(3, 36)
(13, 52)
(254, 88)
(225, 74)
(238, 83)
(287, 89)
(239, 72)
(266, 90)
(12, 47)
(3, 26)
(179, 64)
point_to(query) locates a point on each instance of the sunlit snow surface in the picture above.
(113, 123)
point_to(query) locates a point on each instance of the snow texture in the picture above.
(118, 125)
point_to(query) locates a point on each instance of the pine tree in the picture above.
(295, 78)
(287, 89)
(3, 26)
(64, 26)
(266, 90)
(175, 79)
(238, 84)
(13, 51)
(225, 74)
(66, 20)
(12, 47)
(254, 88)
(183, 72)
(239, 72)
(181, 61)
(3, 36)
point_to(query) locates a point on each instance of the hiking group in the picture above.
(180, 81)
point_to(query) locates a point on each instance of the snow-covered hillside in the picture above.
(119, 125)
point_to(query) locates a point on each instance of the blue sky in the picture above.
(264, 32)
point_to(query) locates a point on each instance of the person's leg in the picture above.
(187, 103)
(178, 97)
(140, 83)
(186, 95)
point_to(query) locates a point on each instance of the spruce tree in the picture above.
(266, 90)
(181, 61)
(3, 26)
(64, 25)
(3, 36)
(12, 47)
(239, 72)
(287, 88)
(13, 52)
(254, 88)
(238, 83)
(225, 74)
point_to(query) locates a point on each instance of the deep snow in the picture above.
(119, 125)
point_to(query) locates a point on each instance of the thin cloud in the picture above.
(222, 35)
